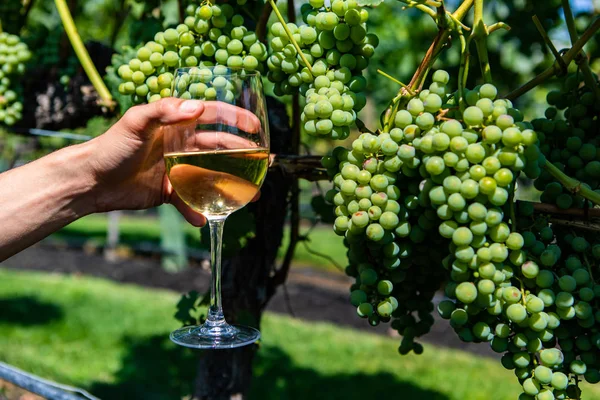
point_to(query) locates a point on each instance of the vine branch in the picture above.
(581, 58)
(549, 43)
(555, 68)
(573, 185)
(282, 273)
(447, 23)
(261, 25)
(82, 53)
(479, 36)
(582, 213)
(289, 33)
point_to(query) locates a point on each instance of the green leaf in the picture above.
(185, 306)
(369, 3)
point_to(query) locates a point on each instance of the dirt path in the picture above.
(9, 391)
(312, 294)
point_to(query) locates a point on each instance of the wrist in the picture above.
(72, 167)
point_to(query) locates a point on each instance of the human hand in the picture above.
(127, 163)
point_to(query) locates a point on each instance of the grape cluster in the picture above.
(445, 175)
(337, 46)
(206, 83)
(558, 280)
(14, 54)
(210, 35)
(569, 139)
(385, 229)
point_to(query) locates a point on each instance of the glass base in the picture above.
(224, 336)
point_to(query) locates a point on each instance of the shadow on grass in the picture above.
(276, 377)
(28, 311)
(152, 369)
(155, 369)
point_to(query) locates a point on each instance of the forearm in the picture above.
(41, 197)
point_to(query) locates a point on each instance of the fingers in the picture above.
(190, 215)
(228, 114)
(144, 119)
(218, 140)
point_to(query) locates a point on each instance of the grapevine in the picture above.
(429, 202)
(442, 175)
(323, 61)
(210, 35)
(14, 55)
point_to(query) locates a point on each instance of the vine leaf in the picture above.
(185, 307)
(362, 127)
(369, 3)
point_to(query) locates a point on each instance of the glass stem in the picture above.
(215, 318)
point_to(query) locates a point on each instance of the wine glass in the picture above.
(217, 164)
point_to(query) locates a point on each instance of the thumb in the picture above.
(142, 120)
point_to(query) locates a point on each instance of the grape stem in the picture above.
(511, 203)
(322, 255)
(497, 26)
(555, 68)
(522, 292)
(463, 70)
(581, 58)
(571, 184)
(479, 36)
(422, 7)
(82, 53)
(391, 78)
(439, 42)
(589, 266)
(290, 35)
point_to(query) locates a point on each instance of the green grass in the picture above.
(146, 229)
(112, 339)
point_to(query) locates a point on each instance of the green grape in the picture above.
(375, 232)
(516, 313)
(466, 292)
(365, 310)
(462, 236)
(473, 116)
(531, 387)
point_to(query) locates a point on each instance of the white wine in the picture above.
(217, 182)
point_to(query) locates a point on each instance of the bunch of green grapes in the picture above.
(14, 54)
(203, 83)
(569, 139)
(383, 213)
(210, 35)
(561, 277)
(336, 45)
(385, 227)
(456, 178)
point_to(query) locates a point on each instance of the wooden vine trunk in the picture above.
(247, 277)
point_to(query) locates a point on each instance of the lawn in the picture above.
(112, 339)
(147, 229)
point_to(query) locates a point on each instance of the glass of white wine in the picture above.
(217, 164)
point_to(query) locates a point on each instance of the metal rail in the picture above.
(48, 133)
(42, 387)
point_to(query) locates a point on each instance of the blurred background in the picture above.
(92, 305)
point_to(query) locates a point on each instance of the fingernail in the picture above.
(189, 106)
